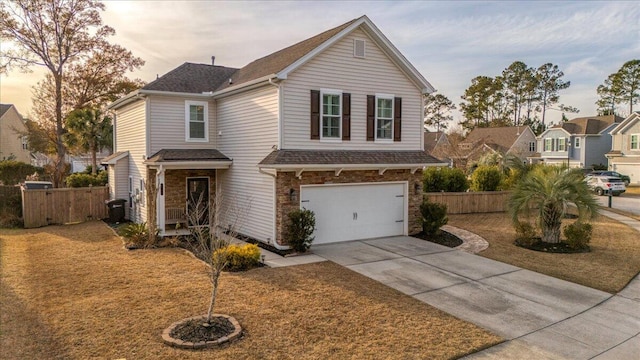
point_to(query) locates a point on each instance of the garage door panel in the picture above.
(631, 170)
(351, 212)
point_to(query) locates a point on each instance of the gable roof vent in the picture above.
(359, 48)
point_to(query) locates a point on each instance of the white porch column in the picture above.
(160, 213)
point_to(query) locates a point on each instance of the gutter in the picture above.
(313, 167)
(244, 86)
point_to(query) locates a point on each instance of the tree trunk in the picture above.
(94, 162)
(214, 292)
(61, 150)
(551, 221)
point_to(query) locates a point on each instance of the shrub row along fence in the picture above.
(63, 206)
(10, 199)
(471, 202)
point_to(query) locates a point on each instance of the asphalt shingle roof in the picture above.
(166, 155)
(497, 138)
(192, 78)
(4, 108)
(590, 125)
(431, 140)
(347, 157)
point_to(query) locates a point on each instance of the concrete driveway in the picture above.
(541, 316)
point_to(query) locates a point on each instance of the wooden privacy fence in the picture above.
(471, 202)
(63, 206)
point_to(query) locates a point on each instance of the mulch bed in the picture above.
(195, 330)
(537, 244)
(444, 238)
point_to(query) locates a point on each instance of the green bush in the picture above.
(302, 224)
(486, 178)
(525, 230)
(137, 235)
(433, 217)
(444, 179)
(13, 172)
(578, 235)
(10, 220)
(242, 257)
(83, 179)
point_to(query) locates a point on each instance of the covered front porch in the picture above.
(184, 179)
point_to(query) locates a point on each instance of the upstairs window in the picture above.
(576, 143)
(635, 141)
(384, 117)
(532, 146)
(196, 124)
(331, 118)
(548, 144)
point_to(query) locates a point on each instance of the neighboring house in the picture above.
(12, 144)
(332, 124)
(581, 142)
(517, 140)
(436, 144)
(624, 156)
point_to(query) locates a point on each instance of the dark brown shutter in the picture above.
(397, 119)
(315, 115)
(346, 116)
(371, 117)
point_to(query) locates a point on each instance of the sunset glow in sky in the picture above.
(448, 42)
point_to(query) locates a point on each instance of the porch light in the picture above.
(293, 195)
(417, 188)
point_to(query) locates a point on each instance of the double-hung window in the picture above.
(532, 146)
(331, 114)
(576, 143)
(196, 121)
(384, 117)
(561, 144)
(548, 144)
(635, 141)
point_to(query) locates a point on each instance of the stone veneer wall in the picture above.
(288, 180)
(175, 183)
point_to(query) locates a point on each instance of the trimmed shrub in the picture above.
(525, 230)
(242, 257)
(433, 217)
(444, 179)
(578, 235)
(302, 224)
(13, 172)
(486, 178)
(137, 236)
(83, 179)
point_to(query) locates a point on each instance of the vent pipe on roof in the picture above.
(213, 60)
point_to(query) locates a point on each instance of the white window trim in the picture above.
(577, 143)
(393, 108)
(330, 139)
(532, 146)
(548, 141)
(562, 144)
(637, 141)
(187, 120)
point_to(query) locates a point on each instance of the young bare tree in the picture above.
(212, 227)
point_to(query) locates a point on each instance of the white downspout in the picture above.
(160, 213)
(274, 243)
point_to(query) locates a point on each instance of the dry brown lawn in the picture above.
(634, 190)
(613, 261)
(73, 292)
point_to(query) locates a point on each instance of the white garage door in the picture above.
(633, 171)
(359, 211)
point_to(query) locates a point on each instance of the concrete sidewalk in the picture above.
(541, 317)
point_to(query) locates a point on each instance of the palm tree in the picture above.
(549, 191)
(88, 130)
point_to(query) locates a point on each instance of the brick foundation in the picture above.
(287, 180)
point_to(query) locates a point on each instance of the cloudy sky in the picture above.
(448, 42)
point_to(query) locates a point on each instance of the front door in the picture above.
(198, 201)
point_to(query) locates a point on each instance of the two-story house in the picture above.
(332, 124)
(580, 142)
(12, 144)
(516, 140)
(624, 156)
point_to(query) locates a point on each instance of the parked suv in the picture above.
(624, 178)
(606, 184)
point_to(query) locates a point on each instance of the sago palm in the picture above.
(548, 191)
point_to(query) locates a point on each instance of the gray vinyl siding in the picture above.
(10, 140)
(521, 147)
(596, 146)
(167, 124)
(131, 130)
(626, 139)
(118, 181)
(336, 68)
(248, 123)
